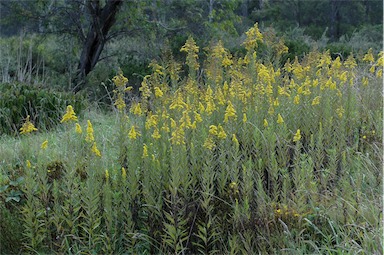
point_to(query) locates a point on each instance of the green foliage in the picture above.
(43, 105)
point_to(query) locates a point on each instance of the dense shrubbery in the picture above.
(18, 100)
(245, 157)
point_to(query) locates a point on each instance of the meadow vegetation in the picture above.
(230, 155)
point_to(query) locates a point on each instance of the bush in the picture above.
(45, 106)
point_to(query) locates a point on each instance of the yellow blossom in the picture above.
(119, 103)
(78, 128)
(297, 136)
(234, 140)
(44, 145)
(364, 81)
(369, 56)
(145, 151)
(89, 138)
(221, 133)
(133, 134)
(136, 109)
(244, 117)
(95, 150)
(106, 175)
(253, 37)
(316, 100)
(27, 127)
(123, 173)
(209, 143)
(178, 136)
(119, 80)
(29, 165)
(156, 134)
(69, 115)
(350, 62)
(265, 123)
(296, 99)
(213, 130)
(280, 119)
(229, 112)
(340, 111)
(158, 92)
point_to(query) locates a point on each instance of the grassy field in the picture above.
(241, 156)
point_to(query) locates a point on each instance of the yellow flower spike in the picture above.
(280, 119)
(44, 145)
(136, 109)
(350, 62)
(120, 103)
(123, 173)
(340, 111)
(95, 150)
(265, 123)
(120, 80)
(296, 99)
(229, 112)
(213, 130)
(78, 128)
(158, 92)
(156, 134)
(89, 138)
(27, 127)
(209, 143)
(234, 140)
(106, 175)
(145, 151)
(365, 81)
(297, 136)
(369, 56)
(133, 134)
(253, 37)
(316, 100)
(69, 115)
(244, 117)
(29, 165)
(221, 133)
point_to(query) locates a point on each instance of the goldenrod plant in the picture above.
(241, 156)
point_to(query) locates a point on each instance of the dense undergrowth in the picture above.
(239, 157)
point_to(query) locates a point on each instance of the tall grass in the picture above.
(239, 157)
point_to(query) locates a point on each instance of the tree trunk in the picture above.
(102, 21)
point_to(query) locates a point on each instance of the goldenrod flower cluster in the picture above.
(27, 127)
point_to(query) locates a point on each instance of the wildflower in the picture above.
(296, 100)
(133, 134)
(191, 49)
(106, 175)
(364, 81)
(120, 80)
(229, 112)
(89, 138)
(178, 136)
(369, 56)
(253, 36)
(158, 92)
(340, 111)
(265, 123)
(95, 150)
(244, 117)
(280, 119)
(209, 143)
(78, 128)
(145, 151)
(297, 136)
(213, 130)
(123, 173)
(156, 134)
(119, 103)
(69, 115)
(27, 127)
(316, 100)
(234, 140)
(29, 165)
(198, 117)
(234, 188)
(44, 145)
(136, 109)
(221, 133)
(350, 62)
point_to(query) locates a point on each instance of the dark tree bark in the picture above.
(101, 23)
(335, 20)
